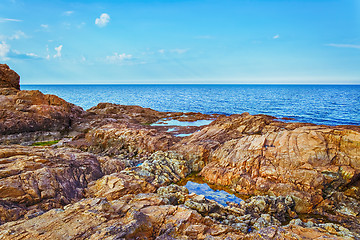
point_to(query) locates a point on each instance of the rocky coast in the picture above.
(113, 172)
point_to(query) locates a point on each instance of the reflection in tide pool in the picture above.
(197, 123)
(183, 134)
(219, 196)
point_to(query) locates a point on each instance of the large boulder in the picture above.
(9, 78)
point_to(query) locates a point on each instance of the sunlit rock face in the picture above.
(257, 154)
(28, 116)
(35, 179)
(9, 79)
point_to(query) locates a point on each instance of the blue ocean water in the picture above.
(320, 104)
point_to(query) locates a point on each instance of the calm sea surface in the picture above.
(320, 104)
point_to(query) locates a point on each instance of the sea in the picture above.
(319, 104)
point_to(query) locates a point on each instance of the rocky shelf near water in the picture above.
(111, 173)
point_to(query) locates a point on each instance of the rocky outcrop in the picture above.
(114, 178)
(256, 154)
(32, 116)
(158, 216)
(124, 139)
(9, 80)
(35, 179)
(137, 114)
(114, 129)
(143, 216)
(317, 165)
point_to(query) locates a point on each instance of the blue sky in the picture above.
(173, 41)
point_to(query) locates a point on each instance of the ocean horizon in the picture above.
(330, 104)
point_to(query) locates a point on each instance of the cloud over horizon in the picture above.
(118, 57)
(343, 45)
(10, 20)
(103, 20)
(68, 13)
(179, 51)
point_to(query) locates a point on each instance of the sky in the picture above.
(181, 42)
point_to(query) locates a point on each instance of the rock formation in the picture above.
(34, 179)
(28, 116)
(113, 175)
(9, 79)
(317, 165)
(32, 116)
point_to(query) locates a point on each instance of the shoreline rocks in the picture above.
(112, 175)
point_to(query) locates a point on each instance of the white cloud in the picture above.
(68, 13)
(9, 20)
(81, 25)
(179, 51)
(44, 26)
(17, 35)
(276, 36)
(162, 51)
(32, 55)
(343, 45)
(58, 51)
(4, 50)
(103, 20)
(25, 56)
(118, 57)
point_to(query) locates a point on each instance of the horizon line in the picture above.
(56, 84)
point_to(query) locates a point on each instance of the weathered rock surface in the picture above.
(34, 179)
(33, 116)
(317, 165)
(114, 129)
(154, 216)
(9, 79)
(124, 139)
(143, 216)
(137, 114)
(255, 154)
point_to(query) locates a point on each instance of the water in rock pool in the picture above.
(222, 195)
(171, 122)
(319, 104)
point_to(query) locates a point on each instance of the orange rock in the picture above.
(256, 154)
